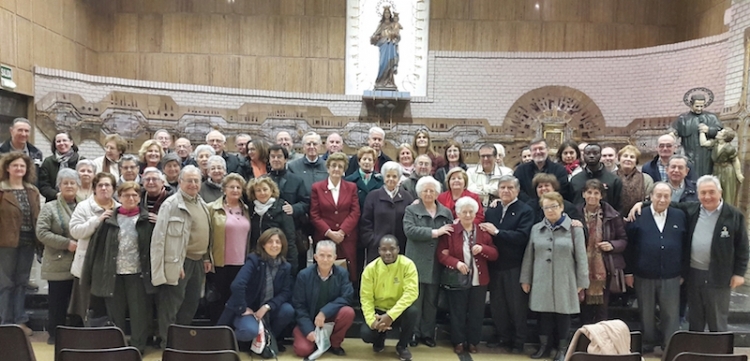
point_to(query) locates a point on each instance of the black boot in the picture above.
(562, 349)
(543, 348)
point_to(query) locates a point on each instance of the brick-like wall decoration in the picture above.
(740, 11)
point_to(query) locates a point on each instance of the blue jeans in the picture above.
(15, 268)
(246, 327)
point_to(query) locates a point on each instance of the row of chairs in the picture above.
(216, 343)
(683, 346)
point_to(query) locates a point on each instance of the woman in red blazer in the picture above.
(334, 211)
(467, 250)
(456, 182)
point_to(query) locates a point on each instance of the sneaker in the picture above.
(26, 330)
(379, 344)
(403, 353)
(338, 351)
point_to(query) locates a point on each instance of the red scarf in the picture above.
(572, 166)
(128, 213)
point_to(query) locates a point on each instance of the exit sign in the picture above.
(6, 72)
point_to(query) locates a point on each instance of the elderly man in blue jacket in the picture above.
(322, 294)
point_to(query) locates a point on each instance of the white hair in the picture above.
(311, 135)
(708, 178)
(467, 201)
(154, 170)
(223, 137)
(391, 166)
(500, 149)
(377, 130)
(189, 169)
(203, 148)
(217, 159)
(67, 173)
(425, 181)
(325, 243)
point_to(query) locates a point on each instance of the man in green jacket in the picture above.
(389, 287)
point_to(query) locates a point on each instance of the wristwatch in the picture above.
(268, 308)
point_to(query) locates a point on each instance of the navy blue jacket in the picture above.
(653, 254)
(250, 283)
(689, 194)
(652, 168)
(376, 182)
(513, 237)
(305, 296)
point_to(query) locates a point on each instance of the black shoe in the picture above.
(544, 349)
(414, 341)
(429, 341)
(338, 351)
(379, 344)
(562, 350)
(403, 353)
(281, 347)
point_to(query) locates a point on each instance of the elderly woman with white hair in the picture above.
(211, 188)
(383, 212)
(424, 223)
(86, 170)
(465, 253)
(52, 229)
(201, 155)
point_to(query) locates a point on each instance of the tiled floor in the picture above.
(355, 349)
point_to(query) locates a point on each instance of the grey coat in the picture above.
(52, 229)
(555, 266)
(420, 246)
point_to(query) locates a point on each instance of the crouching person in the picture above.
(262, 290)
(388, 289)
(323, 294)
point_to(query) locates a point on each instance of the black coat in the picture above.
(233, 163)
(513, 237)
(275, 217)
(47, 179)
(526, 172)
(729, 246)
(382, 215)
(611, 181)
(376, 182)
(292, 189)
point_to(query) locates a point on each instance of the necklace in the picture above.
(235, 211)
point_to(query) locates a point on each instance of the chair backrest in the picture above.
(110, 354)
(636, 341)
(178, 355)
(693, 356)
(700, 342)
(583, 356)
(210, 338)
(88, 338)
(15, 344)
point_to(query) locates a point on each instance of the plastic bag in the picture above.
(322, 340)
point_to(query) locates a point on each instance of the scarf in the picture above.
(154, 203)
(572, 166)
(128, 212)
(262, 208)
(272, 268)
(64, 211)
(553, 226)
(597, 270)
(63, 159)
(632, 188)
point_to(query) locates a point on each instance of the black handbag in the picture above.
(453, 279)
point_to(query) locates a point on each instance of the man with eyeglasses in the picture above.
(181, 252)
(165, 140)
(540, 163)
(375, 140)
(184, 149)
(218, 142)
(666, 146)
(129, 169)
(240, 143)
(484, 177)
(311, 168)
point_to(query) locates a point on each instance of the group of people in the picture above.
(141, 235)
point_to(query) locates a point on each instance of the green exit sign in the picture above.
(6, 72)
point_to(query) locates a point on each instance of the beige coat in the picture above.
(170, 240)
(83, 222)
(219, 222)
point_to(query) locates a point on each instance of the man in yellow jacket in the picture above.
(389, 287)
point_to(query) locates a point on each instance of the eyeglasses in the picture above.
(149, 180)
(549, 208)
(130, 195)
(486, 156)
(190, 181)
(665, 146)
(336, 166)
(234, 188)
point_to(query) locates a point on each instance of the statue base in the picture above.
(386, 104)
